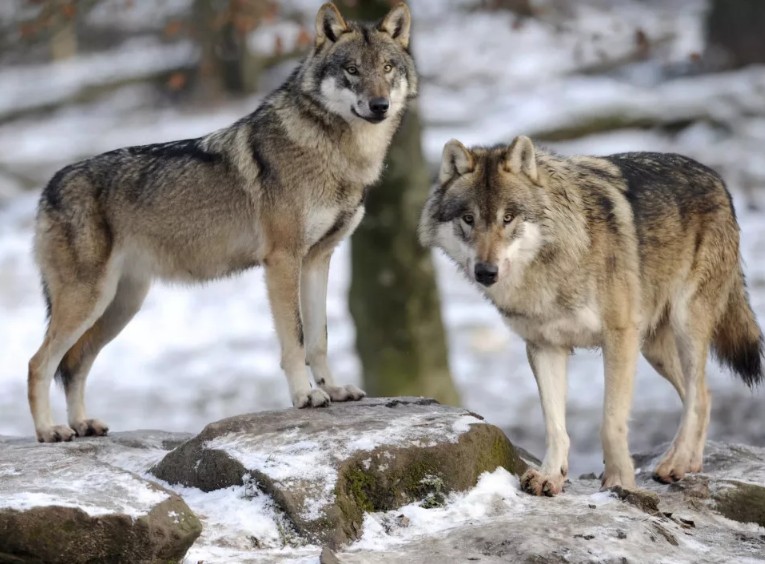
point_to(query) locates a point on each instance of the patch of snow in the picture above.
(9, 470)
(697, 546)
(136, 16)
(602, 498)
(236, 515)
(265, 38)
(496, 493)
(86, 491)
(136, 58)
(462, 425)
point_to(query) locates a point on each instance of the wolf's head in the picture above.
(487, 213)
(361, 71)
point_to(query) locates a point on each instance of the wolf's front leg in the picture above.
(549, 366)
(620, 350)
(313, 299)
(283, 282)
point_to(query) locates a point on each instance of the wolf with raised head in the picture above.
(634, 252)
(279, 188)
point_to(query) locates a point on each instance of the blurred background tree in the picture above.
(736, 32)
(55, 23)
(226, 63)
(393, 297)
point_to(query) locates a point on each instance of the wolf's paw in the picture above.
(90, 428)
(55, 434)
(349, 392)
(623, 478)
(538, 483)
(674, 466)
(312, 398)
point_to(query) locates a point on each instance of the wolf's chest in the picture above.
(371, 143)
(578, 328)
(330, 224)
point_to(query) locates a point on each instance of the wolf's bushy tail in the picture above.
(737, 341)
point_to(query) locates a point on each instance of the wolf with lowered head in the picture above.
(279, 188)
(634, 252)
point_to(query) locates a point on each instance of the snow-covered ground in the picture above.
(195, 355)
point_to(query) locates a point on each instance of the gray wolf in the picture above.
(630, 252)
(279, 188)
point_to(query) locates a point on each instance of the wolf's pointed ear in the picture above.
(455, 161)
(330, 25)
(397, 24)
(521, 158)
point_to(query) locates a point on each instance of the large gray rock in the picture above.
(67, 503)
(326, 467)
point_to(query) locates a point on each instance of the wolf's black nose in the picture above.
(379, 106)
(486, 273)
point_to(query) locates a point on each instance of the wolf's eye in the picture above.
(351, 70)
(388, 67)
(508, 218)
(468, 218)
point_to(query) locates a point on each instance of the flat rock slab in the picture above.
(577, 529)
(326, 467)
(61, 503)
(707, 518)
(732, 482)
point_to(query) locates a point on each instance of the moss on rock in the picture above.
(386, 478)
(742, 502)
(69, 535)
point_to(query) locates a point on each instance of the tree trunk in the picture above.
(226, 66)
(393, 297)
(736, 32)
(63, 40)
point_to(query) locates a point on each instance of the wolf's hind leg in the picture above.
(548, 363)
(283, 282)
(705, 410)
(661, 352)
(313, 300)
(687, 449)
(74, 308)
(620, 352)
(76, 364)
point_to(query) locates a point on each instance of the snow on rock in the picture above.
(495, 494)
(59, 503)
(328, 466)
